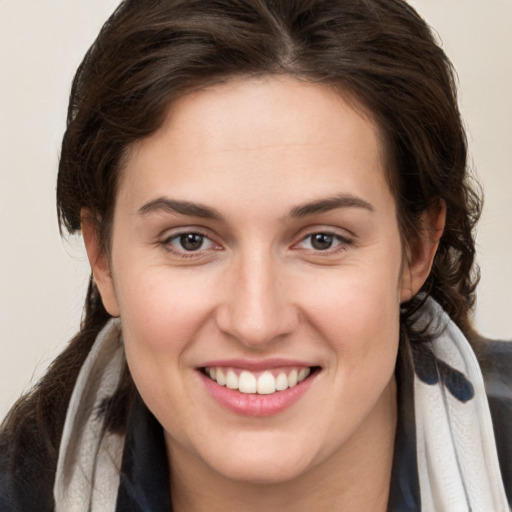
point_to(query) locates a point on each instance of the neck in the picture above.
(357, 477)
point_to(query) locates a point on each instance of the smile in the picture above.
(257, 391)
(262, 383)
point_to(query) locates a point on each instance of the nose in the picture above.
(256, 309)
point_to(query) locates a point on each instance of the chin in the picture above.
(259, 464)
(262, 471)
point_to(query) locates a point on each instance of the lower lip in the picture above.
(257, 405)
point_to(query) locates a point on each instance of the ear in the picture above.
(421, 252)
(100, 264)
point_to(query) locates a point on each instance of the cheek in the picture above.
(160, 305)
(360, 300)
(162, 316)
(364, 332)
(357, 311)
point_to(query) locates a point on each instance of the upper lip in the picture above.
(257, 365)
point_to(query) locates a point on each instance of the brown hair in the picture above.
(152, 51)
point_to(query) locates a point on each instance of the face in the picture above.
(256, 265)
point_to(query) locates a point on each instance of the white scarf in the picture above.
(457, 461)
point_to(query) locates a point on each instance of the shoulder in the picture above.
(496, 362)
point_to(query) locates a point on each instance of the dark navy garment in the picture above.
(144, 479)
(144, 482)
(497, 373)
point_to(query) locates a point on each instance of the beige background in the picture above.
(42, 279)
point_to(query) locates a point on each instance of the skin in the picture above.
(254, 151)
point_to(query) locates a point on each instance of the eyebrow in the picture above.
(164, 204)
(330, 203)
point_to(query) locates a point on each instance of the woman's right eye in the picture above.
(189, 242)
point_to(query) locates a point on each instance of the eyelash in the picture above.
(167, 244)
(341, 243)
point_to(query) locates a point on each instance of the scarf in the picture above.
(457, 462)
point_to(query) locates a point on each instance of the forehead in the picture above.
(254, 137)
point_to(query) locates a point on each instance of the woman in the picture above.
(274, 201)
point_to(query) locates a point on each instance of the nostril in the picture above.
(253, 326)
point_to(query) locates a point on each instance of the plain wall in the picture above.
(43, 279)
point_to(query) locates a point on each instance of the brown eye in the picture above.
(191, 241)
(326, 242)
(321, 241)
(189, 244)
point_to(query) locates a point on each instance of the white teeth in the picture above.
(231, 380)
(282, 382)
(265, 384)
(247, 382)
(303, 373)
(220, 378)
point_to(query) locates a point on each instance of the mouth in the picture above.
(266, 382)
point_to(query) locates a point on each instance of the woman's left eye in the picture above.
(189, 242)
(323, 241)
